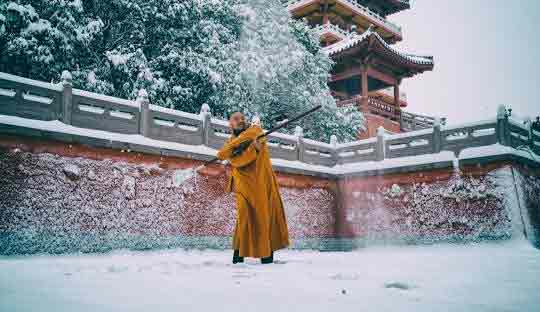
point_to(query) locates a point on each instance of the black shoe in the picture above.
(269, 259)
(236, 257)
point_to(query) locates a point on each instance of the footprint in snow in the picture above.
(398, 285)
(117, 269)
(345, 277)
(241, 274)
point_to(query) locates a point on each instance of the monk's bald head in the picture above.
(237, 122)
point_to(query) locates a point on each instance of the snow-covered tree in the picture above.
(281, 71)
(177, 50)
(246, 55)
(38, 38)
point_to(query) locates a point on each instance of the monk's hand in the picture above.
(257, 145)
(238, 150)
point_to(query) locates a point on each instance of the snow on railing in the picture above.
(411, 121)
(356, 7)
(87, 112)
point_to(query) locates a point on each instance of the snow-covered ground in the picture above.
(491, 277)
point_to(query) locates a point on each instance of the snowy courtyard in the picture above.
(474, 277)
(390, 157)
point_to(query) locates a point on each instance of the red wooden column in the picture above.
(325, 19)
(325, 12)
(396, 95)
(396, 101)
(364, 89)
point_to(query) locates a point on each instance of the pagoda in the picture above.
(368, 70)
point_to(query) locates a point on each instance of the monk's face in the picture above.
(237, 122)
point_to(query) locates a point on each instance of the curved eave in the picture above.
(373, 42)
(362, 16)
(394, 6)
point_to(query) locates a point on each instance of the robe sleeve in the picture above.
(226, 151)
(244, 159)
(249, 155)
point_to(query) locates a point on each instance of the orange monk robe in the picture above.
(261, 226)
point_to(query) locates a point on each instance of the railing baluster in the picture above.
(67, 97)
(145, 118)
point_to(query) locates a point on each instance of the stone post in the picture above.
(401, 122)
(528, 122)
(206, 116)
(300, 149)
(380, 148)
(67, 97)
(144, 116)
(333, 143)
(436, 141)
(502, 125)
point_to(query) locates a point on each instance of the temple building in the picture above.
(368, 70)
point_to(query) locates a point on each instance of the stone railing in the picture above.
(379, 107)
(411, 121)
(408, 121)
(34, 100)
(358, 8)
(374, 106)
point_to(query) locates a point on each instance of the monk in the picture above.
(261, 227)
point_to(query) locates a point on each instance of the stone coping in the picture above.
(57, 131)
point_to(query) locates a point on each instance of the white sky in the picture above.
(487, 52)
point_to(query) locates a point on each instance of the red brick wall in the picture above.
(51, 187)
(131, 193)
(435, 205)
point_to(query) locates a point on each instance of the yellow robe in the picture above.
(261, 226)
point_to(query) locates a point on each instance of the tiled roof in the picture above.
(357, 39)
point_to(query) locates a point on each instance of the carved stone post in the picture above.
(528, 122)
(380, 148)
(144, 116)
(402, 124)
(502, 126)
(206, 116)
(67, 97)
(437, 138)
(300, 149)
(333, 143)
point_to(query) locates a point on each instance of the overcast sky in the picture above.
(487, 52)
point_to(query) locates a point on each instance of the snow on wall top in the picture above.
(297, 166)
(31, 82)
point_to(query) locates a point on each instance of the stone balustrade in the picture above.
(37, 100)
